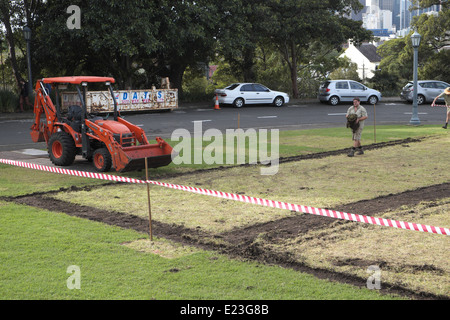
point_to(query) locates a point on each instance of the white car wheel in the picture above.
(420, 99)
(334, 100)
(239, 103)
(373, 100)
(278, 102)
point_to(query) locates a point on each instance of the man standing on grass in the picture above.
(361, 114)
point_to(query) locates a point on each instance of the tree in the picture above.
(113, 37)
(397, 54)
(187, 31)
(140, 41)
(15, 15)
(435, 32)
(385, 82)
(296, 25)
(437, 68)
(346, 70)
(158, 38)
(271, 70)
(240, 33)
(396, 58)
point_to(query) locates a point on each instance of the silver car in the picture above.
(335, 91)
(427, 90)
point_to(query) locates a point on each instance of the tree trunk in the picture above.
(293, 69)
(289, 55)
(127, 72)
(5, 15)
(248, 65)
(176, 77)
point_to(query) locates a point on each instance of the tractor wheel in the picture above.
(102, 160)
(61, 149)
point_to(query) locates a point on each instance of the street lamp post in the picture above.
(415, 39)
(27, 36)
(1, 63)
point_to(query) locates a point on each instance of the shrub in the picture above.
(196, 90)
(9, 101)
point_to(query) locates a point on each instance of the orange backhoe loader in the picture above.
(107, 143)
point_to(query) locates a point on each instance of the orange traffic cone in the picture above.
(216, 105)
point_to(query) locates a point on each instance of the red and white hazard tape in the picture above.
(242, 198)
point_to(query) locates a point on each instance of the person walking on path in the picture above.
(361, 114)
(446, 95)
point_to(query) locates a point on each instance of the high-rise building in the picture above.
(394, 7)
(396, 13)
(390, 15)
(358, 15)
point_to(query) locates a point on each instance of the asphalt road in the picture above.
(15, 128)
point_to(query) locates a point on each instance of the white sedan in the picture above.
(240, 94)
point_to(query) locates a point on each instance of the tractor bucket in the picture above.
(37, 136)
(133, 158)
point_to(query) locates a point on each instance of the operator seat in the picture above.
(74, 117)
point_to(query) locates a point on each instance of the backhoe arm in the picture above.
(41, 131)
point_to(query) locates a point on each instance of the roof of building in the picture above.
(369, 51)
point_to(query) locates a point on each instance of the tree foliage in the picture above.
(14, 15)
(288, 44)
(434, 62)
(113, 38)
(297, 25)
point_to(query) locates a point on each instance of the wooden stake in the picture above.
(149, 205)
(238, 140)
(374, 124)
(239, 118)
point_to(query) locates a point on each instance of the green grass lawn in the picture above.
(297, 142)
(38, 246)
